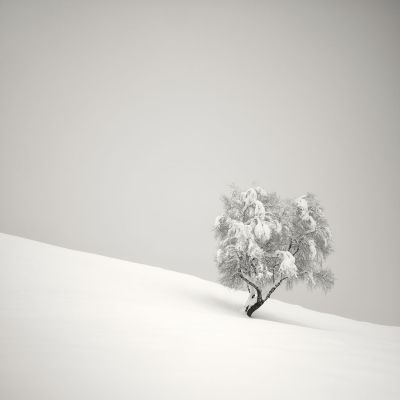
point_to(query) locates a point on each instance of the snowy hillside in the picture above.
(83, 326)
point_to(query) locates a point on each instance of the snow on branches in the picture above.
(264, 240)
(287, 265)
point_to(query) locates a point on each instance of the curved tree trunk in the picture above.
(260, 301)
(254, 307)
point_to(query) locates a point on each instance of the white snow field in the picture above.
(82, 326)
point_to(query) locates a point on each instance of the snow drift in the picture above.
(82, 326)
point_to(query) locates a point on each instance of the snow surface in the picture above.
(82, 326)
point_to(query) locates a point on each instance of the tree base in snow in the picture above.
(250, 309)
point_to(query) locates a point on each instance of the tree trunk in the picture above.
(254, 307)
(260, 301)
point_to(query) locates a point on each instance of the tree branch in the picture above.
(298, 248)
(273, 272)
(298, 245)
(272, 290)
(290, 244)
(257, 289)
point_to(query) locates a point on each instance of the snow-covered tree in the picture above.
(264, 240)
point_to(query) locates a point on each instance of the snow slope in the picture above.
(82, 326)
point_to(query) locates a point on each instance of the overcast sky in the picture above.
(123, 122)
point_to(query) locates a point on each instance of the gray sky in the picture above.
(122, 123)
